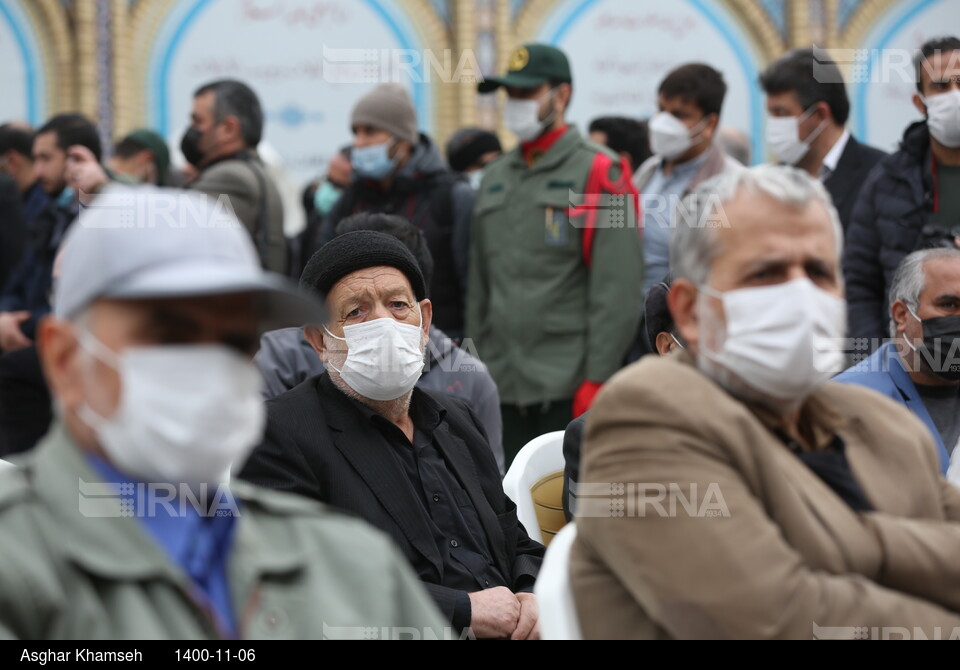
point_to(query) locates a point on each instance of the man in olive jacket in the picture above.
(121, 523)
(226, 126)
(556, 262)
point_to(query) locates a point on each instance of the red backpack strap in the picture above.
(598, 184)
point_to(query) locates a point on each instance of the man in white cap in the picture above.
(121, 523)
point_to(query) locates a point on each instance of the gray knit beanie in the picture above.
(388, 107)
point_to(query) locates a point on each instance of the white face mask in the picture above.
(781, 341)
(783, 137)
(384, 357)
(943, 117)
(522, 118)
(474, 178)
(187, 413)
(669, 137)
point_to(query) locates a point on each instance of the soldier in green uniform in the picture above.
(556, 261)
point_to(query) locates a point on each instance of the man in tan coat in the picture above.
(737, 494)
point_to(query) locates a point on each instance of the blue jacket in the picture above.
(884, 372)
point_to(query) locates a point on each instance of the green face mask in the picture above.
(326, 197)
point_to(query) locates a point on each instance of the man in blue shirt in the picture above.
(123, 522)
(920, 367)
(681, 136)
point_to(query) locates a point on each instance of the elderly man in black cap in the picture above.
(413, 463)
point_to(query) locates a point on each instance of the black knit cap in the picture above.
(467, 145)
(355, 251)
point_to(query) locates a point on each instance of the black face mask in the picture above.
(190, 146)
(941, 346)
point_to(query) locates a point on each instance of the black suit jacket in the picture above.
(844, 184)
(319, 444)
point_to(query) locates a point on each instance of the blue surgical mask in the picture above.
(66, 197)
(326, 197)
(373, 162)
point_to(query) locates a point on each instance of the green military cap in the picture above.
(529, 66)
(153, 143)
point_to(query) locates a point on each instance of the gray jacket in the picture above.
(286, 359)
(244, 180)
(76, 565)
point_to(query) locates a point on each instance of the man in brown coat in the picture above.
(742, 495)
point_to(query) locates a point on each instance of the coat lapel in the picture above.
(838, 183)
(914, 402)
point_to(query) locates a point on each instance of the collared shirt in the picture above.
(658, 216)
(467, 559)
(535, 149)
(832, 158)
(200, 545)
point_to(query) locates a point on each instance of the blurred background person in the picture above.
(628, 138)
(226, 126)
(808, 106)
(143, 156)
(736, 144)
(398, 170)
(16, 160)
(911, 200)
(318, 200)
(689, 99)
(26, 296)
(470, 151)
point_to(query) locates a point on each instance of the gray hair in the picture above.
(909, 279)
(234, 98)
(693, 244)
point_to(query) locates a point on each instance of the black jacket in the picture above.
(427, 194)
(26, 408)
(856, 162)
(29, 285)
(13, 228)
(318, 444)
(889, 221)
(572, 440)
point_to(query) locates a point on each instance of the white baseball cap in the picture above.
(146, 242)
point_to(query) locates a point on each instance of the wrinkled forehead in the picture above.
(371, 283)
(755, 226)
(941, 277)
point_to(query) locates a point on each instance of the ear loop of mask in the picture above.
(695, 139)
(816, 133)
(677, 341)
(93, 346)
(553, 110)
(907, 339)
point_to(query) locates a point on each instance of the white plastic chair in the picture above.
(541, 456)
(558, 614)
